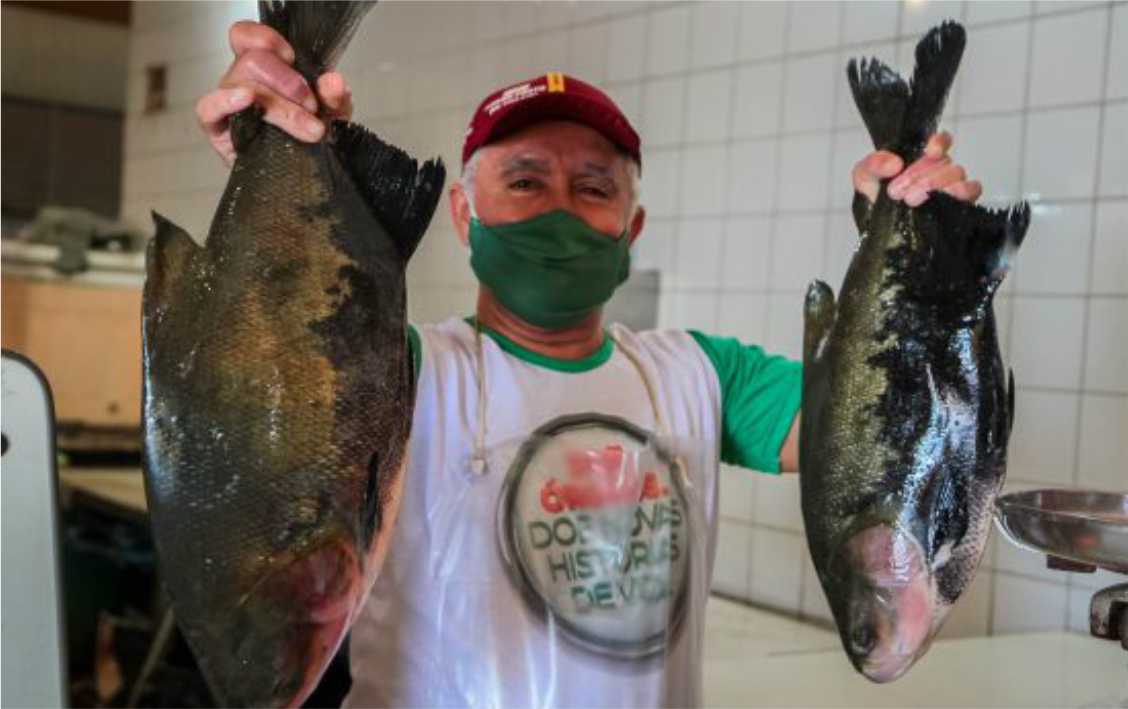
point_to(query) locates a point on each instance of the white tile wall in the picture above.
(1055, 256)
(1064, 70)
(1103, 464)
(749, 134)
(1045, 437)
(1022, 605)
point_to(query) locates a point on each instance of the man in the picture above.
(555, 539)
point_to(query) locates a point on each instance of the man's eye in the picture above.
(522, 184)
(595, 192)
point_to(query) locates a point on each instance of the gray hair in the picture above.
(470, 170)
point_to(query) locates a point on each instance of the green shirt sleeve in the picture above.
(760, 396)
(415, 347)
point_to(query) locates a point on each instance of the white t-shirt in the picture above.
(449, 622)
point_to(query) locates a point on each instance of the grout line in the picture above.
(177, 111)
(1086, 321)
(730, 128)
(777, 162)
(1023, 126)
(639, 9)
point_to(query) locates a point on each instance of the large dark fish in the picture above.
(906, 409)
(278, 389)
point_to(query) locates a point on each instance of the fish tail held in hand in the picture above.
(900, 115)
(318, 31)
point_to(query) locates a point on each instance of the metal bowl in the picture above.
(1086, 527)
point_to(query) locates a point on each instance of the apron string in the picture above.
(478, 463)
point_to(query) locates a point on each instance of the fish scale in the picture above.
(906, 405)
(278, 387)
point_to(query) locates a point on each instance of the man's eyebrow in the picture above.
(600, 169)
(524, 163)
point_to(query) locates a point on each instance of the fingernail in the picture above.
(314, 128)
(916, 198)
(896, 189)
(237, 97)
(309, 103)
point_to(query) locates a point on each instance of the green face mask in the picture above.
(552, 270)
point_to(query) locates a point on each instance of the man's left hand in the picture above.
(934, 171)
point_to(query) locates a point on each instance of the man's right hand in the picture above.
(262, 73)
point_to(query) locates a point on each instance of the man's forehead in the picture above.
(551, 139)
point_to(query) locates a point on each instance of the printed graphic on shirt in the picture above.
(592, 524)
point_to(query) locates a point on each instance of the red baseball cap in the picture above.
(552, 95)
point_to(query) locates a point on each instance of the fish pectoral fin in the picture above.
(401, 193)
(819, 313)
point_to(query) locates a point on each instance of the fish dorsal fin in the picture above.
(900, 115)
(401, 193)
(974, 241)
(317, 31)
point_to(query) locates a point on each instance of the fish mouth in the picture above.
(272, 649)
(890, 606)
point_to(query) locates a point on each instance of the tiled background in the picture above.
(749, 135)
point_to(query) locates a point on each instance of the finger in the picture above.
(288, 116)
(936, 179)
(901, 185)
(335, 95)
(938, 145)
(214, 108)
(966, 191)
(246, 35)
(870, 170)
(261, 67)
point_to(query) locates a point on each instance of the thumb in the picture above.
(872, 169)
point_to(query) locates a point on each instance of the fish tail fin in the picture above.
(882, 97)
(938, 57)
(899, 115)
(317, 31)
(973, 240)
(401, 193)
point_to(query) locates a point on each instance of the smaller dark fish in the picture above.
(906, 409)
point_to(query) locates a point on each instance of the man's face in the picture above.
(549, 166)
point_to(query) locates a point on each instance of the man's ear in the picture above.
(637, 221)
(460, 212)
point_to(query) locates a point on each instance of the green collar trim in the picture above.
(574, 366)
